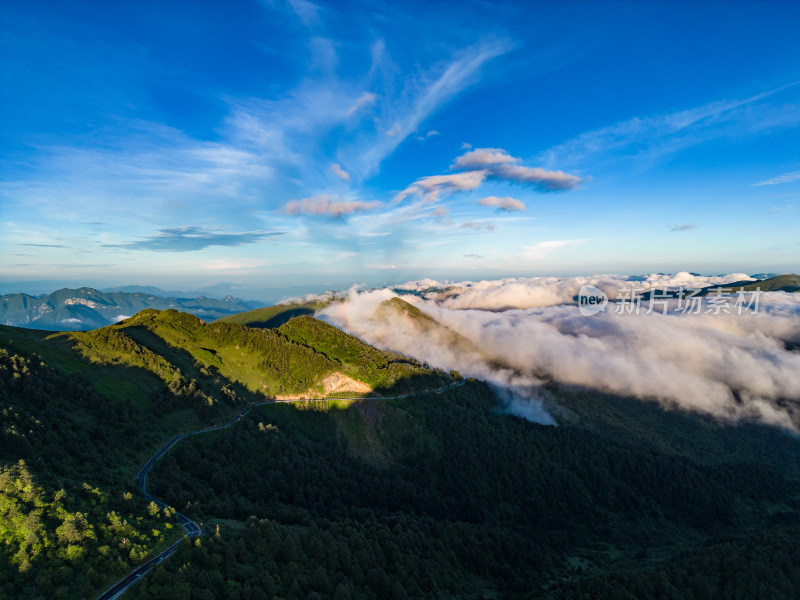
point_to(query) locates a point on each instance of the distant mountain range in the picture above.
(777, 283)
(86, 308)
(262, 295)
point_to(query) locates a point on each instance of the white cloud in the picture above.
(689, 281)
(340, 172)
(502, 166)
(419, 285)
(537, 292)
(481, 164)
(507, 203)
(549, 181)
(432, 133)
(480, 158)
(732, 367)
(785, 178)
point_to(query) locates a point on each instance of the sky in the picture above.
(262, 144)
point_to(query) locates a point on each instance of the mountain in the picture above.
(82, 411)
(273, 316)
(779, 283)
(87, 308)
(415, 489)
(416, 321)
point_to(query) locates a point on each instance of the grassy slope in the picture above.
(291, 359)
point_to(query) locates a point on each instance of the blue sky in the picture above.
(271, 144)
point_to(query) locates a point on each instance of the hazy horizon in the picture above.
(271, 294)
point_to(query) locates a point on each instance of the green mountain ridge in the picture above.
(270, 317)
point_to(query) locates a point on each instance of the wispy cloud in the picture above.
(478, 226)
(364, 100)
(327, 206)
(434, 185)
(785, 178)
(507, 204)
(683, 227)
(187, 239)
(655, 136)
(340, 172)
(420, 97)
(306, 11)
(540, 250)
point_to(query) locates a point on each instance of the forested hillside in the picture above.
(440, 496)
(82, 411)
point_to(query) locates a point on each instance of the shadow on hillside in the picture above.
(190, 367)
(281, 318)
(414, 384)
(697, 436)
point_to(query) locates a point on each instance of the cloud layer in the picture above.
(522, 332)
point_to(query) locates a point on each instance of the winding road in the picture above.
(191, 528)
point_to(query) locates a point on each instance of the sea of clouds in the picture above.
(728, 363)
